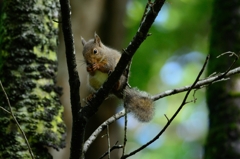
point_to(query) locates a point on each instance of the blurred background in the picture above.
(170, 58)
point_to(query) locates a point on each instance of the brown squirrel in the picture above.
(101, 61)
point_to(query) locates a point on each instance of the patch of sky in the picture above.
(172, 72)
(163, 15)
(195, 127)
(146, 132)
(132, 124)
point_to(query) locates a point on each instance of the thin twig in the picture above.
(92, 106)
(18, 125)
(216, 78)
(173, 117)
(112, 148)
(166, 117)
(95, 134)
(234, 61)
(5, 110)
(108, 139)
(125, 131)
(200, 84)
(194, 98)
(212, 78)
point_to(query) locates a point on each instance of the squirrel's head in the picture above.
(93, 50)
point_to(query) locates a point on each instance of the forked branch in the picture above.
(174, 115)
(198, 84)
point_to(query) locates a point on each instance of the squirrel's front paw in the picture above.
(89, 69)
(92, 67)
(95, 66)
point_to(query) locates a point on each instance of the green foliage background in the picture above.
(170, 58)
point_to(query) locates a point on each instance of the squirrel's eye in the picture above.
(95, 51)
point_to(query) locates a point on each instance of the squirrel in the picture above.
(100, 62)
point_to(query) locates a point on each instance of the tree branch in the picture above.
(78, 123)
(200, 84)
(125, 131)
(209, 80)
(95, 134)
(174, 115)
(92, 106)
(111, 149)
(80, 117)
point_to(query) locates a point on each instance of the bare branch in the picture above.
(79, 123)
(5, 110)
(112, 148)
(200, 84)
(173, 117)
(14, 118)
(166, 117)
(215, 78)
(142, 33)
(125, 131)
(108, 138)
(92, 106)
(212, 78)
(234, 61)
(95, 134)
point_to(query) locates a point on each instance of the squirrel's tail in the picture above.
(139, 103)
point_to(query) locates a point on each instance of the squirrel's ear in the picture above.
(83, 41)
(97, 40)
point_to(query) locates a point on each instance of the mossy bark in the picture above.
(28, 39)
(223, 140)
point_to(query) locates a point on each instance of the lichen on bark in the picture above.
(28, 40)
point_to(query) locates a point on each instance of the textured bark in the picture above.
(29, 64)
(223, 99)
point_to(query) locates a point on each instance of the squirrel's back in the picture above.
(101, 61)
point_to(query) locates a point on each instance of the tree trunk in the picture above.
(223, 99)
(28, 68)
